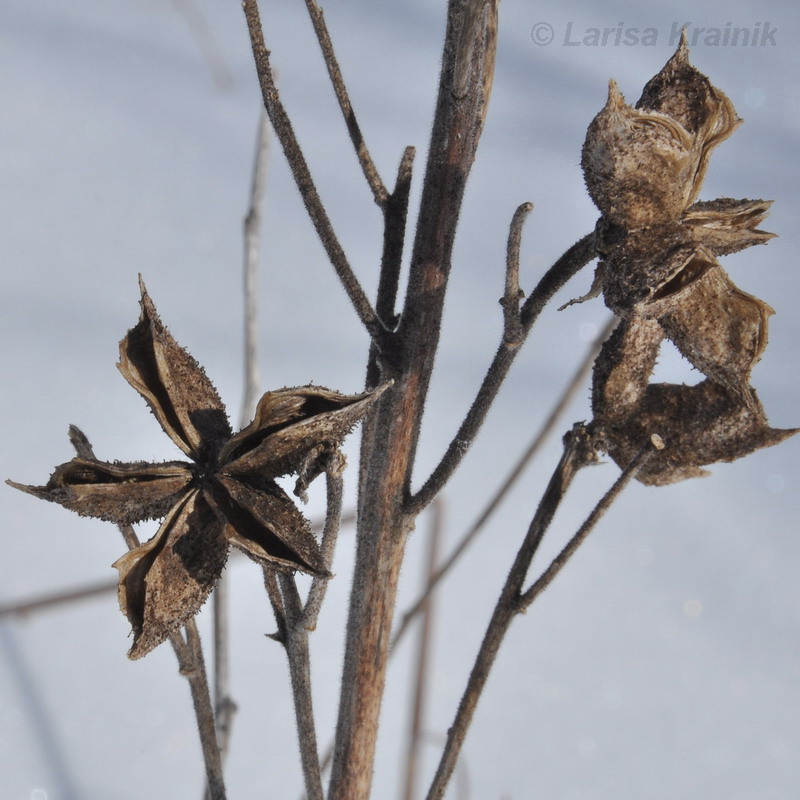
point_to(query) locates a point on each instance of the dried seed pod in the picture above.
(227, 494)
(638, 165)
(687, 96)
(164, 582)
(720, 329)
(116, 492)
(700, 425)
(727, 226)
(652, 270)
(623, 367)
(658, 270)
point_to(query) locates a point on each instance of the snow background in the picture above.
(664, 662)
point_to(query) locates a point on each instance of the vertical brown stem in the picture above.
(390, 435)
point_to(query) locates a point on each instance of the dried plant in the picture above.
(658, 271)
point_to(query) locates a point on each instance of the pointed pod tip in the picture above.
(36, 491)
(683, 46)
(616, 100)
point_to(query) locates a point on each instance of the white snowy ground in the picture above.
(663, 663)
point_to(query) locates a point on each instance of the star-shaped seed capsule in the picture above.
(225, 495)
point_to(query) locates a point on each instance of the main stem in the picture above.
(389, 437)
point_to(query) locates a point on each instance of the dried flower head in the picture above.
(699, 424)
(658, 270)
(226, 495)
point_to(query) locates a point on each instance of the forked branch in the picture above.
(297, 163)
(578, 452)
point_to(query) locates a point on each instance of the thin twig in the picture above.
(252, 247)
(580, 254)
(335, 489)
(44, 602)
(204, 36)
(546, 578)
(577, 381)
(224, 705)
(276, 600)
(421, 672)
(512, 601)
(302, 175)
(190, 660)
(578, 452)
(296, 645)
(512, 325)
(192, 666)
(368, 167)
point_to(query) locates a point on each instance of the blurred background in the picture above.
(664, 662)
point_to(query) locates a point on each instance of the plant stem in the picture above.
(558, 563)
(578, 451)
(296, 644)
(294, 156)
(334, 489)
(389, 435)
(576, 257)
(578, 380)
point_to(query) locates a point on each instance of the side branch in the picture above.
(577, 382)
(580, 254)
(546, 578)
(368, 167)
(302, 176)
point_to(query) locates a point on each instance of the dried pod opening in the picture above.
(692, 271)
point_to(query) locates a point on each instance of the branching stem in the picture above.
(578, 452)
(302, 175)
